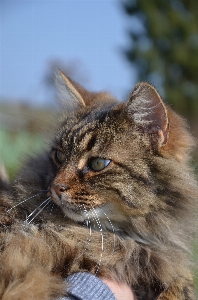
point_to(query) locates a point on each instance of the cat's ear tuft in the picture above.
(148, 112)
(69, 96)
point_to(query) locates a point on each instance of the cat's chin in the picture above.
(70, 213)
(66, 208)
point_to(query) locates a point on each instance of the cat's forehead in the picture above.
(85, 129)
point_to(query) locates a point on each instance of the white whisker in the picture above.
(87, 221)
(37, 208)
(39, 212)
(23, 201)
(113, 230)
(52, 206)
(46, 202)
(88, 224)
(96, 218)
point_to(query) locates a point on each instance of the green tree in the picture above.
(164, 49)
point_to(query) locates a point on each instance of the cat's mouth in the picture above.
(97, 218)
(78, 213)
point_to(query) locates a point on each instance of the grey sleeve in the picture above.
(84, 286)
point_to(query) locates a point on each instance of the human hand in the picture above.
(121, 291)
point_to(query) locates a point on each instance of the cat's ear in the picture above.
(69, 96)
(148, 111)
(72, 95)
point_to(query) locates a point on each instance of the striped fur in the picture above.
(131, 219)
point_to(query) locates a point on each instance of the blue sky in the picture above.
(34, 32)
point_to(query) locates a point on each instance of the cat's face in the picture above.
(102, 159)
(97, 162)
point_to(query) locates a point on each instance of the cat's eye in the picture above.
(98, 164)
(60, 156)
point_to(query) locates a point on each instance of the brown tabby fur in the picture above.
(131, 221)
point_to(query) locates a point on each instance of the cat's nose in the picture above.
(59, 188)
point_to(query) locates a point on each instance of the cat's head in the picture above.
(104, 159)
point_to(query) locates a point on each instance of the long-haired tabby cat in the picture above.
(114, 195)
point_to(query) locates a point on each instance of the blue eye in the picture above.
(98, 164)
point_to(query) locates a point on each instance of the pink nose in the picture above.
(59, 188)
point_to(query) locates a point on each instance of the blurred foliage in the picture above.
(164, 49)
(15, 147)
(195, 259)
(23, 131)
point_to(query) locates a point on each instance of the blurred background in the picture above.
(102, 44)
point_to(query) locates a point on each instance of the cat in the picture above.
(114, 195)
